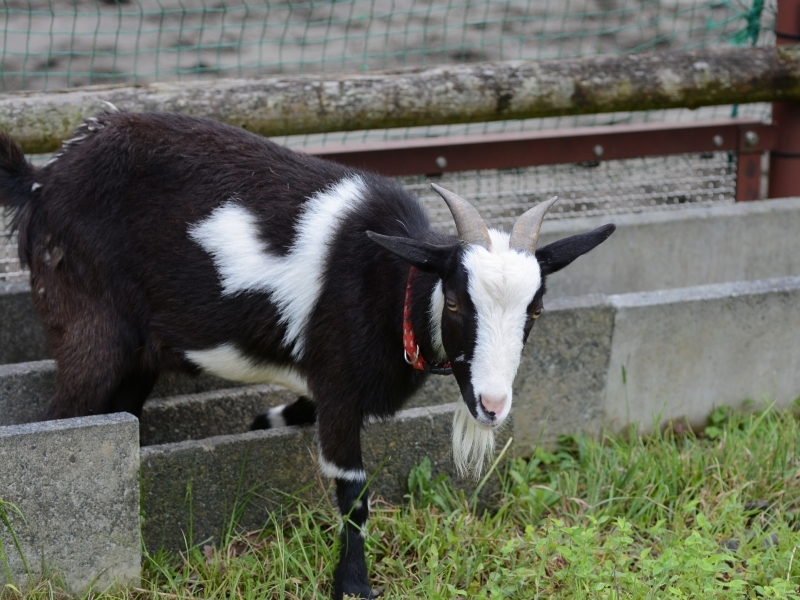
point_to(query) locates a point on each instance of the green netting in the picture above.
(49, 44)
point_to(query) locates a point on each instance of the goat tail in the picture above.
(17, 190)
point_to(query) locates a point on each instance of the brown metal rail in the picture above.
(434, 156)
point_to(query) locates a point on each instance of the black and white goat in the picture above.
(164, 242)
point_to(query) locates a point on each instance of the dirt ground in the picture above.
(49, 44)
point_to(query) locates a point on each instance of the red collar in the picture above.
(410, 348)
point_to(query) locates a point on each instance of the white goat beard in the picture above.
(473, 446)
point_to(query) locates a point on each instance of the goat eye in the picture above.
(536, 313)
(451, 305)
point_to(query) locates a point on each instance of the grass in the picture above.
(672, 515)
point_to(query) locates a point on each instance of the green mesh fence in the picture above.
(49, 44)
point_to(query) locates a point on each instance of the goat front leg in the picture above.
(340, 459)
(351, 575)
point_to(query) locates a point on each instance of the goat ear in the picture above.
(558, 255)
(423, 255)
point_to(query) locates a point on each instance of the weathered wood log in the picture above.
(441, 95)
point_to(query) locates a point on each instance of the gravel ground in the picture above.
(49, 44)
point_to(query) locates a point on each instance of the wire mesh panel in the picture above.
(48, 44)
(587, 189)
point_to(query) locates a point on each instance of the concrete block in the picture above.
(560, 386)
(76, 482)
(26, 389)
(687, 351)
(682, 248)
(198, 416)
(191, 489)
(22, 336)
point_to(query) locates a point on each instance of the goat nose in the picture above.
(493, 405)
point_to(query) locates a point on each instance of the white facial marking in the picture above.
(35, 186)
(275, 416)
(501, 284)
(228, 362)
(437, 306)
(331, 470)
(231, 236)
(473, 445)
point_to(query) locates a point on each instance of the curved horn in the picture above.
(525, 234)
(470, 226)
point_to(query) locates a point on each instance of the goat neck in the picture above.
(426, 313)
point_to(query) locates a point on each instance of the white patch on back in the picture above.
(501, 284)
(228, 362)
(231, 236)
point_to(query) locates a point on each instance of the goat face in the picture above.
(489, 303)
(483, 309)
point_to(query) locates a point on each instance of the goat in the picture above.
(160, 242)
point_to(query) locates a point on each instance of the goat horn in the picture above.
(525, 234)
(470, 225)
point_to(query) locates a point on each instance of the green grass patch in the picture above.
(671, 515)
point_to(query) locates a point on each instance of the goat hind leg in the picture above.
(132, 392)
(94, 355)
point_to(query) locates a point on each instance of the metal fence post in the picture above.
(784, 168)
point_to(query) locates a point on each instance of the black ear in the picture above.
(558, 255)
(424, 256)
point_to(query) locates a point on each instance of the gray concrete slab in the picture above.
(191, 489)
(208, 414)
(682, 248)
(684, 352)
(22, 336)
(180, 408)
(561, 382)
(687, 351)
(26, 389)
(76, 483)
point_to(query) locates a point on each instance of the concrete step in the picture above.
(76, 485)
(197, 416)
(182, 407)
(189, 490)
(26, 389)
(193, 486)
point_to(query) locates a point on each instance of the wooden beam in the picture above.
(441, 95)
